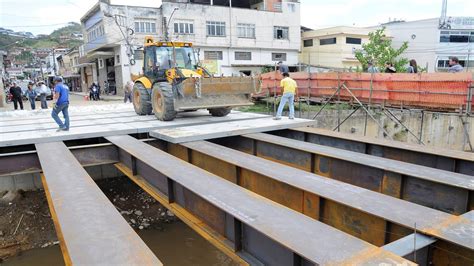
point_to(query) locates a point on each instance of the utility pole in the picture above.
(41, 69)
(54, 62)
(468, 51)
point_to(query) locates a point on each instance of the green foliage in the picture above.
(26, 56)
(266, 69)
(7, 42)
(379, 50)
(71, 28)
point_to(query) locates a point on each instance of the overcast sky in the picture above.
(42, 17)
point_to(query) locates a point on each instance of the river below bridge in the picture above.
(175, 244)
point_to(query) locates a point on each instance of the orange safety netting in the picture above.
(426, 90)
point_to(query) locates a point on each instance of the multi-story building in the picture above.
(432, 41)
(333, 47)
(231, 37)
(66, 69)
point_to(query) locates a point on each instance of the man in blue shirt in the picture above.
(61, 96)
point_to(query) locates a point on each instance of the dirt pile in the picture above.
(26, 223)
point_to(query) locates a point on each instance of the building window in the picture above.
(327, 41)
(444, 63)
(117, 59)
(95, 32)
(456, 37)
(121, 20)
(278, 56)
(246, 30)
(184, 27)
(350, 40)
(138, 55)
(213, 55)
(145, 27)
(243, 56)
(308, 43)
(280, 33)
(291, 7)
(215, 28)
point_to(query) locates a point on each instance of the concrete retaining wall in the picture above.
(33, 181)
(443, 130)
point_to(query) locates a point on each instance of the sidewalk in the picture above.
(103, 97)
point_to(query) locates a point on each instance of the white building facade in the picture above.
(431, 42)
(232, 37)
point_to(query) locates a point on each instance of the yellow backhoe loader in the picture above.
(173, 81)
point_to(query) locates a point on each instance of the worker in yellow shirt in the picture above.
(289, 87)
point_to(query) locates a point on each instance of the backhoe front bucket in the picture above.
(208, 93)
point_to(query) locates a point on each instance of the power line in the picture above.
(36, 26)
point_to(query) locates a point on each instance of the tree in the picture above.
(379, 50)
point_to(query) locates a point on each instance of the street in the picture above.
(75, 99)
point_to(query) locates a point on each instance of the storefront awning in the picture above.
(71, 76)
(83, 65)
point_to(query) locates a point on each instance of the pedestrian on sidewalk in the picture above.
(128, 91)
(371, 68)
(413, 68)
(31, 95)
(15, 91)
(61, 96)
(43, 90)
(283, 68)
(454, 66)
(289, 87)
(106, 87)
(389, 68)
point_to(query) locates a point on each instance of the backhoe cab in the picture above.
(174, 81)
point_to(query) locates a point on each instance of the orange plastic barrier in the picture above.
(429, 91)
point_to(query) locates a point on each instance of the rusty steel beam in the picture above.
(90, 230)
(434, 188)
(246, 222)
(371, 216)
(416, 247)
(27, 162)
(444, 159)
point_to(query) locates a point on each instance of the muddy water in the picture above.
(176, 244)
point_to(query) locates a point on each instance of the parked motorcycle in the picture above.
(95, 94)
(9, 96)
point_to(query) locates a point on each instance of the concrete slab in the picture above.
(114, 125)
(76, 123)
(74, 117)
(212, 131)
(50, 135)
(143, 127)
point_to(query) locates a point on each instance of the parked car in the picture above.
(49, 93)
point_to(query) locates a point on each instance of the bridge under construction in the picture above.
(264, 192)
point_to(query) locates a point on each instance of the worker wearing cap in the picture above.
(61, 96)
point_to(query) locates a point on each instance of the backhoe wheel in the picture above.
(220, 111)
(141, 99)
(162, 99)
